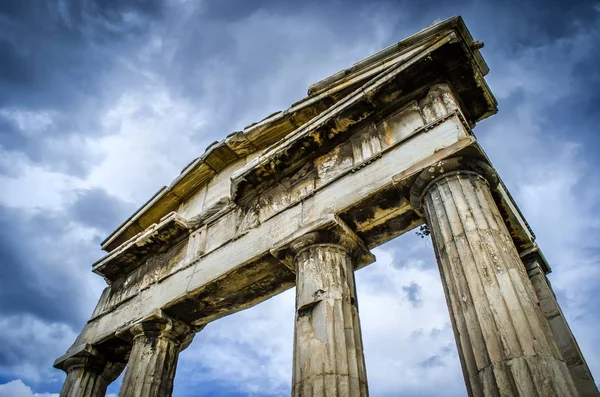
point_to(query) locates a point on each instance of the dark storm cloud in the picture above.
(11, 137)
(22, 348)
(334, 11)
(55, 56)
(562, 61)
(97, 209)
(50, 146)
(40, 266)
(54, 52)
(413, 293)
(433, 361)
(29, 284)
(580, 112)
(523, 23)
(241, 48)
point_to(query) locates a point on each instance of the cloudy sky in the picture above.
(104, 101)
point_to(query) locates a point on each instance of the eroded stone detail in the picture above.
(504, 341)
(89, 374)
(328, 350)
(157, 343)
(363, 147)
(224, 221)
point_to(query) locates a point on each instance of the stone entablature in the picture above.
(435, 114)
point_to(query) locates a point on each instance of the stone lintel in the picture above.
(328, 230)
(234, 270)
(158, 237)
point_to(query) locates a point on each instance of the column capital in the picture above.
(452, 165)
(160, 325)
(329, 230)
(327, 236)
(87, 357)
(157, 341)
(88, 360)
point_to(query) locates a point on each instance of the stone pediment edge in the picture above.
(366, 91)
(436, 29)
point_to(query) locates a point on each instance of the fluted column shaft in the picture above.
(328, 350)
(89, 376)
(505, 344)
(580, 372)
(153, 360)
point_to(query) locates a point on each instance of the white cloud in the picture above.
(409, 347)
(30, 345)
(150, 136)
(250, 351)
(17, 388)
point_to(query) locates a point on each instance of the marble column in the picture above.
(580, 372)
(328, 350)
(153, 359)
(89, 374)
(505, 343)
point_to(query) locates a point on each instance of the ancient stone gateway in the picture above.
(300, 198)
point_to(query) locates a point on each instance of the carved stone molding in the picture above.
(325, 237)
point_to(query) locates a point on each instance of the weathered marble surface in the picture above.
(363, 193)
(328, 350)
(336, 151)
(153, 360)
(504, 341)
(89, 374)
(580, 372)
